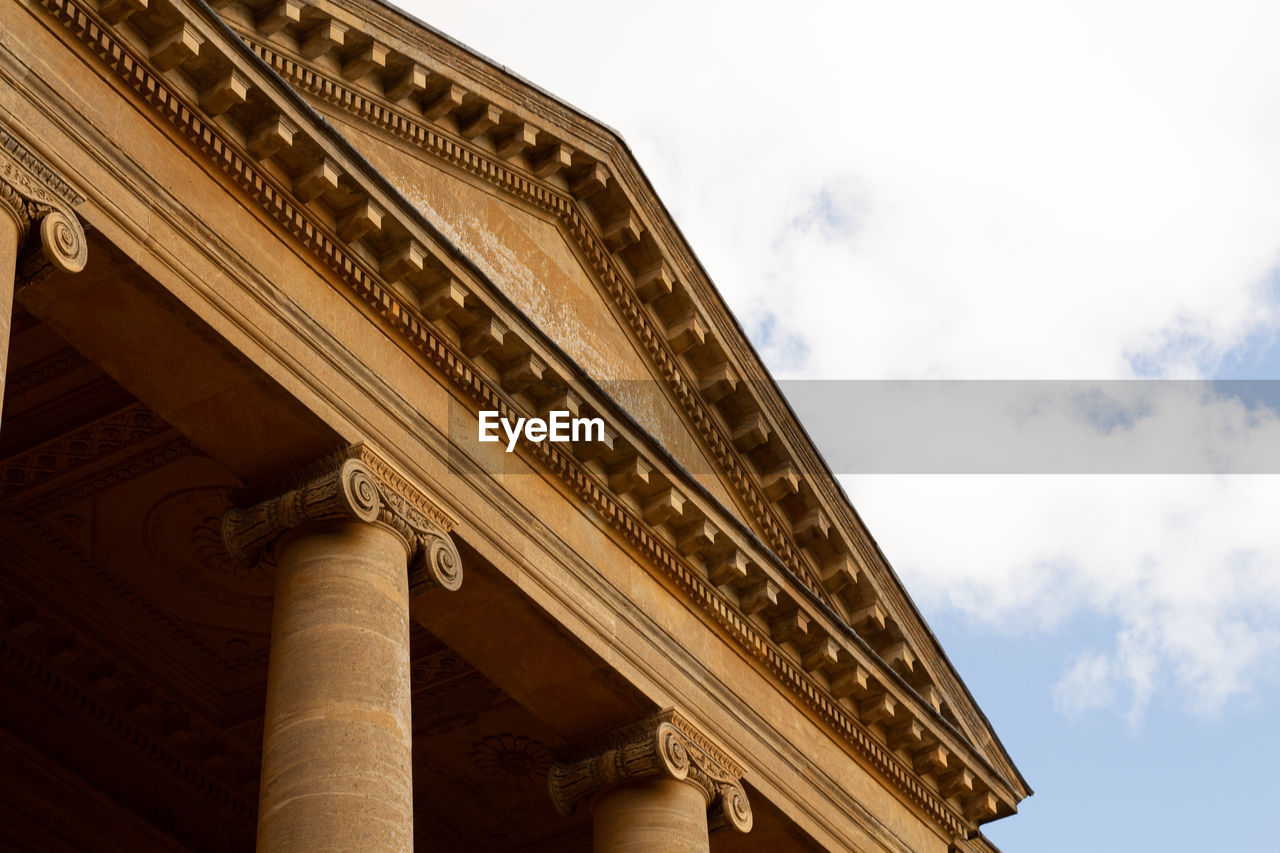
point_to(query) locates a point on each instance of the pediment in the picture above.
(535, 264)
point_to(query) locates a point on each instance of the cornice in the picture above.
(977, 844)
(522, 100)
(618, 282)
(314, 189)
(653, 302)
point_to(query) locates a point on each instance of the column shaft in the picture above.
(651, 814)
(9, 237)
(337, 740)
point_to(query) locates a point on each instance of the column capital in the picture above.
(355, 484)
(664, 746)
(37, 198)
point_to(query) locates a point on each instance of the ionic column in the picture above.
(660, 784)
(36, 200)
(337, 753)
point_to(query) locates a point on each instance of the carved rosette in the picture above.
(40, 201)
(665, 745)
(354, 485)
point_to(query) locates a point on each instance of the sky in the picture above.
(1003, 190)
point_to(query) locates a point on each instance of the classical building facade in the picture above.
(263, 266)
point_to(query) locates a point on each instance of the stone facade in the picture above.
(262, 267)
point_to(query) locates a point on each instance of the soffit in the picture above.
(131, 638)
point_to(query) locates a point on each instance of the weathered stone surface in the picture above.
(651, 814)
(337, 740)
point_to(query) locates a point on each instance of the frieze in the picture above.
(89, 685)
(45, 370)
(429, 672)
(98, 440)
(110, 583)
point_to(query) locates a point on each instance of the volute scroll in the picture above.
(353, 485)
(40, 202)
(664, 746)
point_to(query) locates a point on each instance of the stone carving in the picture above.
(357, 485)
(184, 534)
(36, 197)
(513, 760)
(437, 668)
(47, 369)
(665, 745)
(96, 441)
(100, 690)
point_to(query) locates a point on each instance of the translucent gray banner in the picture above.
(954, 427)
(1043, 427)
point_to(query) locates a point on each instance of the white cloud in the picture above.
(1187, 569)
(1042, 189)
(990, 189)
(1088, 685)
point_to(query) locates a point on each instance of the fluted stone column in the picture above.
(337, 748)
(34, 199)
(660, 784)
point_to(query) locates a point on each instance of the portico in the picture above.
(261, 584)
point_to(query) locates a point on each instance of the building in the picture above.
(268, 264)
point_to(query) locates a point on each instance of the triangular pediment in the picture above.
(535, 264)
